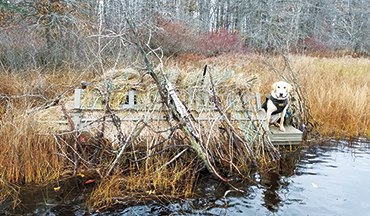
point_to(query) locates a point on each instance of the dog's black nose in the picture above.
(281, 94)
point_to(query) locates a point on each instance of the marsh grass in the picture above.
(339, 95)
(158, 174)
(337, 90)
(148, 181)
(8, 193)
(27, 156)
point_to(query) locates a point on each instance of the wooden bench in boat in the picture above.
(291, 136)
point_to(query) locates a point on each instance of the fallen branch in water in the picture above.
(174, 158)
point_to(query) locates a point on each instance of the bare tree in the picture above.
(68, 27)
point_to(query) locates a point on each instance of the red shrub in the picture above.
(174, 39)
(314, 44)
(178, 38)
(219, 42)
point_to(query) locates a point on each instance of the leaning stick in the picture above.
(177, 108)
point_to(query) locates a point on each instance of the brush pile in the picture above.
(213, 112)
(182, 124)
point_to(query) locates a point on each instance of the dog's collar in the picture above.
(277, 98)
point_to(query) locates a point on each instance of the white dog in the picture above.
(277, 103)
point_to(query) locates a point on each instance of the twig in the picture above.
(178, 155)
(75, 135)
(227, 121)
(157, 153)
(125, 143)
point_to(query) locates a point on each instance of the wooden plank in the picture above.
(258, 100)
(131, 98)
(291, 136)
(76, 118)
(77, 98)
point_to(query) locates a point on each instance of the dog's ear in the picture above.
(289, 88)
(274, 87)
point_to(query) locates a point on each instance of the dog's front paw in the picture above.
(282, 129)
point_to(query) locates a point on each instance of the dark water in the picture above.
(326, 179)
(332, 179)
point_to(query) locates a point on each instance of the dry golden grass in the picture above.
(25, 155)
(151, 180)
(339, 94)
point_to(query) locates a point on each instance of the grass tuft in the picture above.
(27, 156)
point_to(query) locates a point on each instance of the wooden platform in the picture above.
(291, 136)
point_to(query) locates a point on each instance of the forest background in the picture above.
(60, 33)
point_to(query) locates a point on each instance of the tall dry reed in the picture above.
(339, 93)
(147, 181)
(25, 155)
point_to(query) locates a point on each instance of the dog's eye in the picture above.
(278, 86)
(284, 87)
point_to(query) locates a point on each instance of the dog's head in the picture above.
(281, 89)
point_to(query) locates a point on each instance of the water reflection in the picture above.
(275, 180)
(68, 199)
(270, 196)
